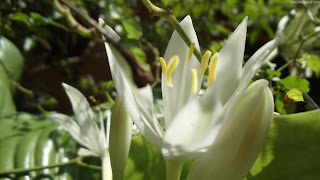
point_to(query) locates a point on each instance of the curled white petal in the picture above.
(240, 139)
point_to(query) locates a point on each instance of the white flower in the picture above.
(195, 124)
(96, 141)
(138, 102)
(84, 130)
(240, 138)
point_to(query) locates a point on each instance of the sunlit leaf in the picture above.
(279, 103)
(28, 141)
(297, 95)
(11, 58)
(291, 150)
(291, 82)
(294, 95)
(20, 17)
(144, 161)
(133, 29)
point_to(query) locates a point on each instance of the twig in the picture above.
(72, 21)
(29, 93)
(169, 16)
(141, 75)
(77, 160)
(304, 39)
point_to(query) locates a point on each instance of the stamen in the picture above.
(191, 49)
(194, 81)
(172, 65)
(163, 66)
(204, 61)
(212, 69)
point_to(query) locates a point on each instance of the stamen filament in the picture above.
(204, 61)
(172, 65)
(163, 66)
(191, 49)
(212, 69)
(194, 81)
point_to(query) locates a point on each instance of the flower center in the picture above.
(167, 70)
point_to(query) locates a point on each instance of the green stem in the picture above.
(169, 16)
(174, 168)
(71, 20)
(304, 39)
(77, 160)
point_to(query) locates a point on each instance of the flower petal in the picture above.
(85, 117)
(72, 127)
(120, 138)
(192, 131)
(138, 102)
(174, 98)
(86, 152)
(256, 61)
(229, 66)
(240, 138)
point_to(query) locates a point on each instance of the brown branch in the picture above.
(141, 75)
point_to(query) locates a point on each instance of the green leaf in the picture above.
(291, 150)
(272, 73)
(297, 95)
(313, 62)
(279, 103)
(133, 29)
(140, 55)
(294, 95)
(291, 82)
(7, 105)
(28, 141)
(11, 66)
(20, 17)
(144, 162)
(57, 25)
(38, 19)
(11, 58)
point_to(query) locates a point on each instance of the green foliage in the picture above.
(11, 59)
(272, 73)
(313, 61)
(291, 82)
(28, 141)
(132, 28)
(144, 162)
(291, 150)
(285, 85)
(11, 66)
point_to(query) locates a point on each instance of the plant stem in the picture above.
(304, 39)
(106, 167)
(77, 160)
(173, 169)
(141, 76)
(169, 16)
(72, 22)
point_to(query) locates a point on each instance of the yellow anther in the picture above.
(204, 61)
(191, 49)
(194, 81)
(163, 66)
(212, 69)
(172, 66)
